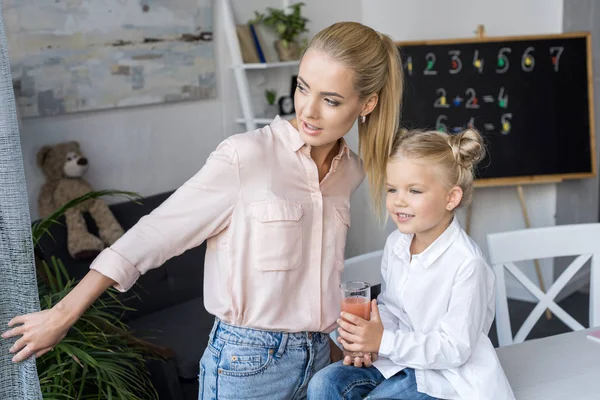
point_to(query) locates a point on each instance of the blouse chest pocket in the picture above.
(276, 236)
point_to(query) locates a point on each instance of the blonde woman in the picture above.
(274, 207)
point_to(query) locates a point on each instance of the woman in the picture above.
(274, 207)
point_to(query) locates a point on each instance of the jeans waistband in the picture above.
(263, 338)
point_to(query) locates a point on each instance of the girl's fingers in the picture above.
(347, 326)
(349, 346)
(348, 336)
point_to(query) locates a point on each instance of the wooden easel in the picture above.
(480, 34)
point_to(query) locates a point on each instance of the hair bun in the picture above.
(467, 147)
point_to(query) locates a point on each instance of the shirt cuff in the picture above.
(387, 343)
(114, 266)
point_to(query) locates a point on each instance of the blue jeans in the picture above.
(338, 381)
(244, 363)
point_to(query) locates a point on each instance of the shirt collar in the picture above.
(295, 141)
(428, 256)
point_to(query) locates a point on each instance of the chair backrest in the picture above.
(365, 267)
(506, 248)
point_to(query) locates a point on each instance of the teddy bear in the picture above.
(64, 165)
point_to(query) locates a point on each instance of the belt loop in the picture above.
(211, 336)
(282, 344)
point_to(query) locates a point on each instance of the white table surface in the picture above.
(560, 367)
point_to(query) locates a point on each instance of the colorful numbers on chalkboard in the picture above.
(408, 65)
(504, 128)
(502, 63)
(502, 98)
(455, 62)
(527, 60)
(441, 101)
(472, 100)
(430, 64)
(555, 53)
(505, 123)
(439, 123)
(477, 62)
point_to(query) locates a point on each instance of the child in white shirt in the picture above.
(429, 326)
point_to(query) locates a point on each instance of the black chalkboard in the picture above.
(530, 97)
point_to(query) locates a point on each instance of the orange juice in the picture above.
(359, 306)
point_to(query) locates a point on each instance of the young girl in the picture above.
(430, 323)
(274, 206)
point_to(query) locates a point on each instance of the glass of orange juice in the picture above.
(356, 299)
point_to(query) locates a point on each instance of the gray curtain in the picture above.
(18, 287)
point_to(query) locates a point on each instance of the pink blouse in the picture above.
(276, 236)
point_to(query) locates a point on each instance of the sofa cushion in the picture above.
(184, 328)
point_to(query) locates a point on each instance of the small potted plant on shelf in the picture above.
(287, 27)
(272, 108)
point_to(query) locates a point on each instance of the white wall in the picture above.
(144, 149)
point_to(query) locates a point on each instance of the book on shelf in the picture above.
(247, 47)
(266, 40)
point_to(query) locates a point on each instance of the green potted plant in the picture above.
(98, 358)
(271, 97)
(288, 27)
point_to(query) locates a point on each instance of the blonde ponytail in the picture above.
(375, 61)
(376, 135)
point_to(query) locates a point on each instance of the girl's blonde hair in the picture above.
(375, 61)
(457, 155)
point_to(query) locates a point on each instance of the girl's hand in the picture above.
(39, 332)
(366, 360)
(359, 334)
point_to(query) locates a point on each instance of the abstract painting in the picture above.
(79, 55)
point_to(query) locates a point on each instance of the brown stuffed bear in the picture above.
(63, 165)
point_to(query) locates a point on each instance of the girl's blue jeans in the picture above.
(341, 382)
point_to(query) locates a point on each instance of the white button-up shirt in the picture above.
(437, 309)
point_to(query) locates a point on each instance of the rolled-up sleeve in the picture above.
(199, 209)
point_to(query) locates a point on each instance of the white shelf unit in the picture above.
(240, 69)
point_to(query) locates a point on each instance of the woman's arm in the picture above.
(200, 208)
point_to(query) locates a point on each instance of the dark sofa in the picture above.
(169, 307)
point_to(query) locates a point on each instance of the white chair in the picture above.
(506, 248)
(365, 268)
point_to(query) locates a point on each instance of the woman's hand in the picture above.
(39, 332)
(358, 334)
